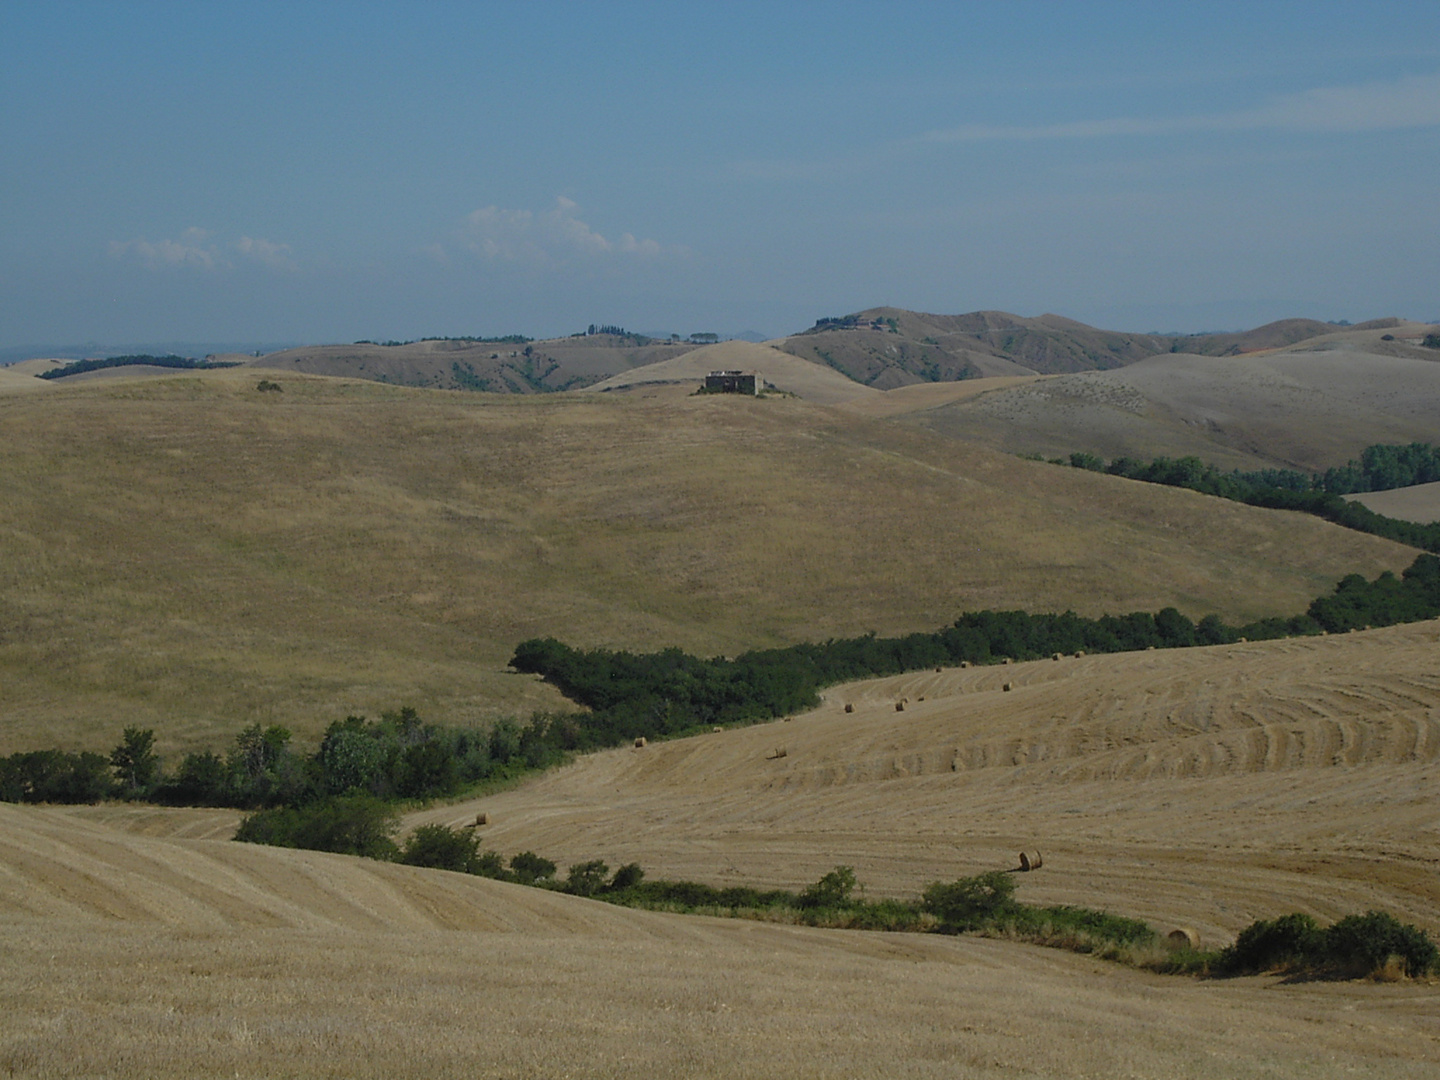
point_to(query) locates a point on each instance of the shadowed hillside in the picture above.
(195, 554)
(513, 367)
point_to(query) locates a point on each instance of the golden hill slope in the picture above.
(1202, 787)
(193, 555)
(1309, 407)
(813, 382)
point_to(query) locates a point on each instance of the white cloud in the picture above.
(1408, 103)
(193, 249)
(549, 237)
(189, 251)
(266, 252)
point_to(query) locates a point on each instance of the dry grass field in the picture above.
(190, 554)
(1309, 406)
(1204, 787)
(1418, 503)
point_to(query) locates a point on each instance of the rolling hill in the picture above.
(1309, 406)
(891, 347)
(1202, 787)
(780, 370)
(193, 554)
(515, 367)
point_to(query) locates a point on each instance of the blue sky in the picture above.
(326, 172)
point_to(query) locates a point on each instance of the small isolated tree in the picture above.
(135, 762)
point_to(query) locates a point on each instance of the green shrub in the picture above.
(54, 776)
(489, 864)
(1289, 941)
(831, 891)
(971, 903)
(442, 848)
(586, 879)
(1087, 924)
(627, 877)
(529, 869)
(347, 824)
(1363, 943)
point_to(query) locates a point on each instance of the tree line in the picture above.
(1380, 467)
(186, 363)
(650, 695)
(670, 692)
(395, 758)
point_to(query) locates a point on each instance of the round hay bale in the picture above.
(788, 719)
(482, 818)
(718, 729)
(1182, 937)
(964, 663)
(1243, 640)
(849, 707)
(1055, 657)
(1149, 648)
(640, 742)
(938, 670)
(1079, 653)
(1008, 687)
(899, 706)
(1006, 660)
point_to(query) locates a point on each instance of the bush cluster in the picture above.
(1356, 945)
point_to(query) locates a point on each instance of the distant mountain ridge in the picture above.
(881, 348)
(886, 347)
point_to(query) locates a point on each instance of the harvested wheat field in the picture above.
(1203, 787)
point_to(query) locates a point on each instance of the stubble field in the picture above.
(1203, 787)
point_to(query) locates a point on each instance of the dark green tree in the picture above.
(136, 764)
